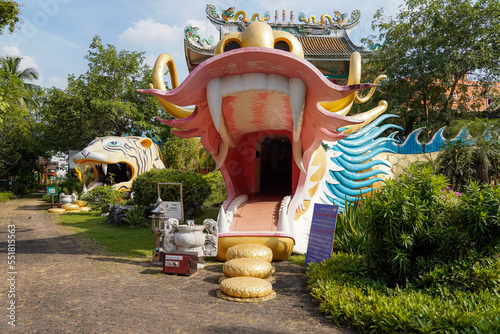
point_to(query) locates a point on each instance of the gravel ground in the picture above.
(66, 283)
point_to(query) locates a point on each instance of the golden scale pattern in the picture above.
(248, 268)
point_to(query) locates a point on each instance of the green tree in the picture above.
(9, 15)
(183, 153)
(429, 46)
(103, 101)
(21, 131)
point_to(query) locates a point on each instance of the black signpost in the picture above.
(322, 231)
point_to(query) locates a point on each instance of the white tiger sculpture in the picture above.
(119, 160)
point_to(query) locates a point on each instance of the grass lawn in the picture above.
(119, 241)
(299, 259)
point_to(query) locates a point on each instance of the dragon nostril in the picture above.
(85, 152)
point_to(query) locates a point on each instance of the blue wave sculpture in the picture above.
(350, 167)
(350, 173)
(412, 145)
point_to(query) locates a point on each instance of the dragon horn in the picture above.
(158, 83)
(367, 117)
(343, 106)
(370, 93)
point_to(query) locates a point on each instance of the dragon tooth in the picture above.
(231, 85)
(223, 150)
(222, 223)
(214, 99)
(297, 154)
(297, 100)
(104, 168)
(283, 224)
(254, 81)
(278, 83)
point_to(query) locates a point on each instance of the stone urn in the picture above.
(190, 238)
(65, 199)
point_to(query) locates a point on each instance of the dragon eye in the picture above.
(114, 143)
(282, 45)
(231, 45)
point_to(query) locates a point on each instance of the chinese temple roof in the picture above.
(339, 48)
(324, 40)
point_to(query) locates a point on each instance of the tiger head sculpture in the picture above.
(122, 158)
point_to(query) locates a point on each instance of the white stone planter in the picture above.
(190, 238)
(66, 199)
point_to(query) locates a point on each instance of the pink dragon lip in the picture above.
(252, 90)
(318, 124)
(255, 60)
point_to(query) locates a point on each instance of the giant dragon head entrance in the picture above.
(262, 111)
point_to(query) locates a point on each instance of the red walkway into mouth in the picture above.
(259, 213)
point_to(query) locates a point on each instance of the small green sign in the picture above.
(52, 191)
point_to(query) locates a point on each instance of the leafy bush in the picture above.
(479, 218)
(431, 264)
(349, 295)
(455, 162)
(47, 198)
(98, 197)
(5, 197)
(218, 192)
(471, 274)
(350, 230)
(409, 223)
(136, 218)
(195, 188)
(69, 186)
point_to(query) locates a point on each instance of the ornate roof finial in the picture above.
(284, 16)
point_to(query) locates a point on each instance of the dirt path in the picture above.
(67, 284)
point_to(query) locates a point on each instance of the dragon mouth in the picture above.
(248, 95)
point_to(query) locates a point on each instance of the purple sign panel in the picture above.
(322, 231)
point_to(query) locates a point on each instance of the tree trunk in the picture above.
(450, 96)
(482, 171)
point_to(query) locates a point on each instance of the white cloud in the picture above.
(58, 82)
(151, 59)
(150, 33)
(12, 51)
(26, 62)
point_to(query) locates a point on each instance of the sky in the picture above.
(54, 35)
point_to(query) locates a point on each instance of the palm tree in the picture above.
(475, 157)
(486, 152)
(14, 76)
(11, 66)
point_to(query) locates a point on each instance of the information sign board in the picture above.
(52, 191)
(173, 210)
(322, 232)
